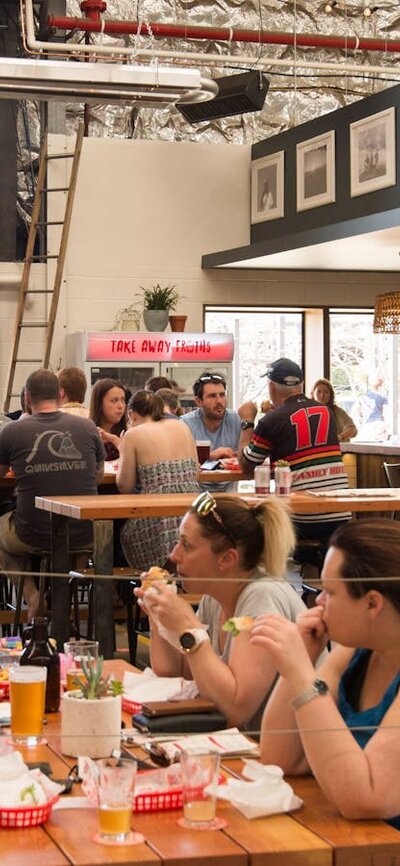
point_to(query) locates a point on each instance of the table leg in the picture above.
(103, 534)
(60, 592)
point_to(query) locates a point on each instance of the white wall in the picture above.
(145, 212)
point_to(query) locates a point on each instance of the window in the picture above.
(363, 371)
(262, 334)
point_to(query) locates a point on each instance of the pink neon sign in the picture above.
(151, 346)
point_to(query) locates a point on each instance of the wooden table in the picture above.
(104, 509)
(315, 835)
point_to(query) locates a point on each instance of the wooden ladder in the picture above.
(54, 292)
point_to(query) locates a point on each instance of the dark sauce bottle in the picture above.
(40, 651)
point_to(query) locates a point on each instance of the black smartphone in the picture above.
(210, 464)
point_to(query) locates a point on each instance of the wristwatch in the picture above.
(245, 425)
(318, 688)
(191, 639)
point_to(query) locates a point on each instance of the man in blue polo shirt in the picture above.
(212, 420)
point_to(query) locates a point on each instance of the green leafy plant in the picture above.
(282, 463)
(160, 297)
(93, 685)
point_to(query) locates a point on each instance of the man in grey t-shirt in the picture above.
(212, 420)
(50, 453)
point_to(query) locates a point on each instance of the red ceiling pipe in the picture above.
(92, 8)
(222, 34)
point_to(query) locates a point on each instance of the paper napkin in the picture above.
(267, 794)
(147, 686)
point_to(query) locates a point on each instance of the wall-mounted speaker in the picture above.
(238, 94)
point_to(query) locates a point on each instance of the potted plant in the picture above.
(91, 714)
(158, 301)
(127, 319)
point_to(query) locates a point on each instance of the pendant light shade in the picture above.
(387, 314)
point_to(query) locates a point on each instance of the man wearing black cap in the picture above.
(303, 432)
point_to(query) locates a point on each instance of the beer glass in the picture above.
(116, 788)
(200, 771)
(203, 449)
(75, 651)
(27, 696)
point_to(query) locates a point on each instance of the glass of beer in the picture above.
(116, 790)
(203, 449)
(75, 651)
(200, 771)
(27, 694)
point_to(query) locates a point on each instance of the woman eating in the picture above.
(157, 455)
(108, 411)
(344, 718)
(235, 553)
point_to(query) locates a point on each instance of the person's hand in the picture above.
(220, 453)
(247, 411)
(313, 630)
(170, 609)
(283, 640)
(267, 406)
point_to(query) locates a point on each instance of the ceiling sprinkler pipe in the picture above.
(221, 34)
(100, 51)
(93, 8)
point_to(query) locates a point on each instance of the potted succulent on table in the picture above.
(158, 301)
(91, 714)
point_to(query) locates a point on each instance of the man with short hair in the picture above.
(51, 453)
(212, 420)
(303, 432)
(72, 384)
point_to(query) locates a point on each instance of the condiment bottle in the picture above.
(39, 651)
(262, 477)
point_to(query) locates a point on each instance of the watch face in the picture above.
(321, 687)
(187, 640)
(245, 424)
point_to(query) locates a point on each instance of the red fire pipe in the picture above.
(221, 34)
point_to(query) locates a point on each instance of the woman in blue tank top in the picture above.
(344, 718)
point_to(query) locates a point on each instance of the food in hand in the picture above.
(237, 624)
(156, 573)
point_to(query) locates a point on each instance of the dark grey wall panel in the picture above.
(8, 145)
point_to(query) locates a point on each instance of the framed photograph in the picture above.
(373, 152)
(315, 171)
(267, 187)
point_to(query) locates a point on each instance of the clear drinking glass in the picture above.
(75, 651)
(200, 771)
(116, 791)
(27, 697)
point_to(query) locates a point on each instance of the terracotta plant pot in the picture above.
(177, 323)
(90, 727)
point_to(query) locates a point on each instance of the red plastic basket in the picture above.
(159, 801)
(4, 690)
(30, 816)
(163, 801)
(130, 706)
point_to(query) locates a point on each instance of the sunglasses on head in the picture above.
(208, 377)
(205, 504)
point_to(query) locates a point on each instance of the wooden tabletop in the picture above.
(176, 504)
(315, 835)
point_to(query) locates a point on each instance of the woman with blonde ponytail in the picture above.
(235, 554)
(157, 455)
